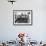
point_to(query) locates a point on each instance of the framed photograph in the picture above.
(22, 17)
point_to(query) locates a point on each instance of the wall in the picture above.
(38, 30)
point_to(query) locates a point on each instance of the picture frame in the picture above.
(22, 17)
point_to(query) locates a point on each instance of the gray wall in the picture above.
(38, 30)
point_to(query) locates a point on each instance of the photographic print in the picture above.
(22, 17)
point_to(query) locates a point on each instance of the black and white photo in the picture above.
(22, 17)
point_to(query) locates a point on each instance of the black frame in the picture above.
(23, 24)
